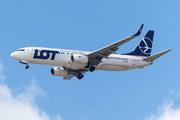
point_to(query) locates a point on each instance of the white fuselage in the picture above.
(50, 56)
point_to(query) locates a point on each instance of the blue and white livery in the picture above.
(75, 63)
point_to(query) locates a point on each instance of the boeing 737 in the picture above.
(75, 63)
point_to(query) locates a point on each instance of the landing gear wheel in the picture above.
(80, 76)
(91, 69)
(27, 66)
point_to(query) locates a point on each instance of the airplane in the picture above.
(75, 63)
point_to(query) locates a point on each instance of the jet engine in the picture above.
(82, 59)
(59, 71)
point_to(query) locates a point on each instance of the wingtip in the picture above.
(139, 31)
(168, 50)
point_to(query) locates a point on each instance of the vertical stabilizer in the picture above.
(145, 45)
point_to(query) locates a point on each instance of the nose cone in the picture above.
(14, 55)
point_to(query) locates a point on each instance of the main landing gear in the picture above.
(92, 68)
(80, 76)
(26, 63)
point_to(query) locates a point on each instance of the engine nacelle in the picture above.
(77, 58)
(59, 71)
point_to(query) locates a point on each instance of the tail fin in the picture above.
(145, 45)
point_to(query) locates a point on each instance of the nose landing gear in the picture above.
(27, 66)
(24, 62)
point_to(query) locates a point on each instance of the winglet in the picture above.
(153, 57)
(139, 31)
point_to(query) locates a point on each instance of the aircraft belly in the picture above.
(77, 65)
(112, 66)
(117, 65)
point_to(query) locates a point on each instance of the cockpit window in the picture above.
(21, 50)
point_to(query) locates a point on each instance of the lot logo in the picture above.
(44, 54)
(145, 46)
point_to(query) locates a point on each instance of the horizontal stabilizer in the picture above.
(153, 57)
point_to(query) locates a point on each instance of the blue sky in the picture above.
(151, 93)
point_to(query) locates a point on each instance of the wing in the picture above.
(96, 56)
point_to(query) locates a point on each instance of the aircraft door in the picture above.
(25, 52)
(32, 52)
(133, 61)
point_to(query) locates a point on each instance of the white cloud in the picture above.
(177, 93)
(166, 112)
(31, 91)
(21, 106)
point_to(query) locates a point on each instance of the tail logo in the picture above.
(145, 46)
